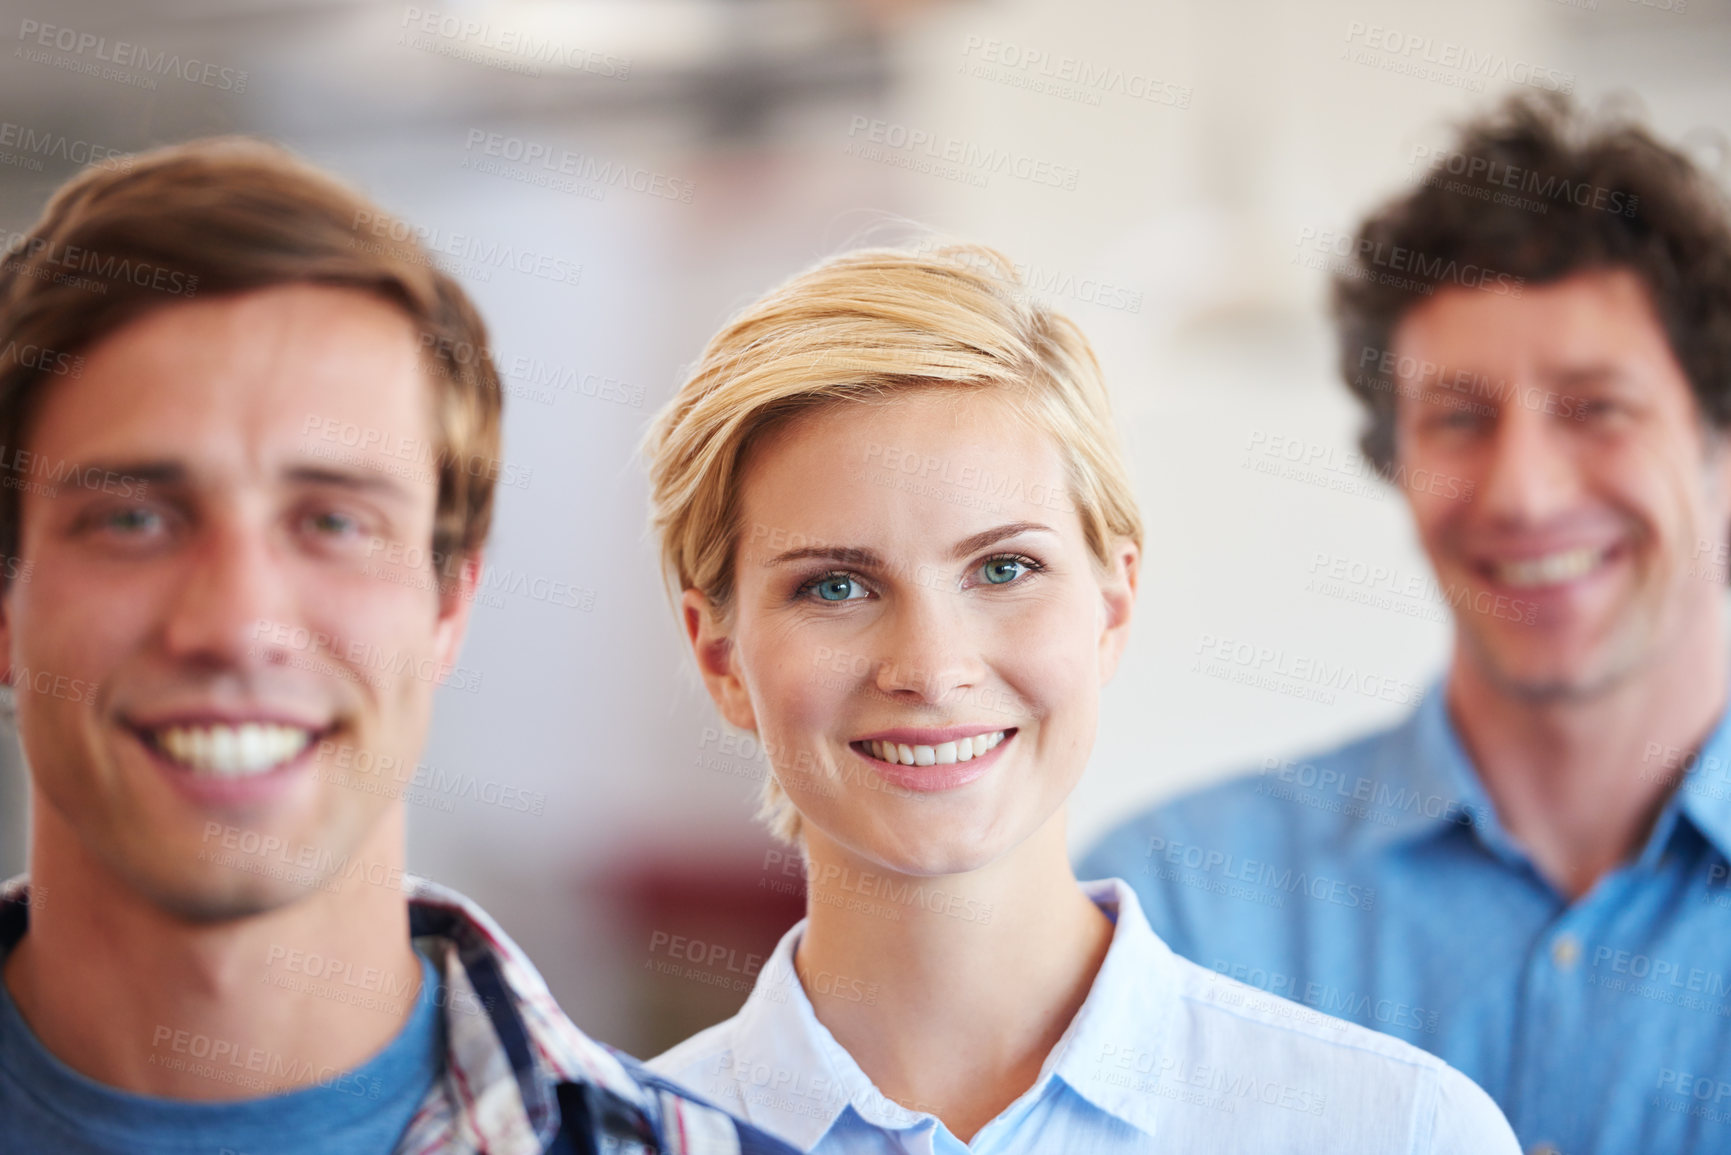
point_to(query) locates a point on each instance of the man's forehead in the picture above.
(257, 370)
(1598, 307)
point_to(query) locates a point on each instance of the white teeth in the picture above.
(224, 747)
(232, 751)
(944, 754)
(1552, 569)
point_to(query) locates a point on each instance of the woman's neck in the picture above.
(992, 964)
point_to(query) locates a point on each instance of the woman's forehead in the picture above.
(881, 477)
(910, 433)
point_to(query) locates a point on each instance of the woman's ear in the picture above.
(1117, 602)
(713, 647)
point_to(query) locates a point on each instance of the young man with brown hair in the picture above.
(250, 439)
(1527, 876)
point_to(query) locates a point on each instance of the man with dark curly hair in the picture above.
(1528, 875)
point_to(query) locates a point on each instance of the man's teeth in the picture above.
(231, 751)
(943, 754)
(1551, 569)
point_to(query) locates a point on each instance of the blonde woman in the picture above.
(907, 551)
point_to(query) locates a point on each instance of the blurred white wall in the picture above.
(1272, 124)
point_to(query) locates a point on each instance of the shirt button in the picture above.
(1565, 952)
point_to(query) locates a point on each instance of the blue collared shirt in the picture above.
(1163, 1056)
(1375, 882)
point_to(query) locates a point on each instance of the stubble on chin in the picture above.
(209, 906)
(1616, 661)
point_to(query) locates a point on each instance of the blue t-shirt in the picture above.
(46, 1106)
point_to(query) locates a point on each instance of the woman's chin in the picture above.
(941, 862)
(936, 852)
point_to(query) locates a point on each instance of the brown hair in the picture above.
(1534, 191)
(229, 215)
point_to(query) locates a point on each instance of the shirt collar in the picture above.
(798, 1079)
(1703, 782)
(780, 1047)
(1421, 782)
(1128, 1011)
(1435, 787)
(509, 1044)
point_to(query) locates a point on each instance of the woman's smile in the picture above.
(940, 763)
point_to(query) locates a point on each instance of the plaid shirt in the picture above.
(517, 1070)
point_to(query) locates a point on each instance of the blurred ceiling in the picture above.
(352, 67)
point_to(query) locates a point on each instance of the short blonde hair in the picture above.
(863, 326)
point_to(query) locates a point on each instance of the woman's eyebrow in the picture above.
(867, 559)
(843, 554)
(991, 536)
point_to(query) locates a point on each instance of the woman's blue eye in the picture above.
(840, 586)
(1008, 568)
(835, 588)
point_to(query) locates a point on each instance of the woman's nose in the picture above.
(929, 648)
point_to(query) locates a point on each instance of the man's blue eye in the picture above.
(132, 519)
(332, 523)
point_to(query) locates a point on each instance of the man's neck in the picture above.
(140, 999)
(1577, 781)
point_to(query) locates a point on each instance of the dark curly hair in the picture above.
(1533, 191)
